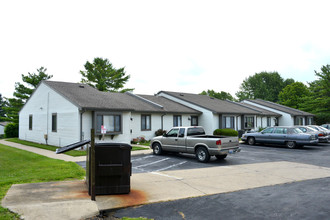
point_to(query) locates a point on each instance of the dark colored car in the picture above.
(290, 136)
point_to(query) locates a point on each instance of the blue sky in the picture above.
(184, 46)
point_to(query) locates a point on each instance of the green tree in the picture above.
(318, 102)
(102, 75)
(264, 85)
(292, 95)
(2, 111)
(22, 93)
(219, 95)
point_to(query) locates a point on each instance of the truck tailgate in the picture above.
(229, 142)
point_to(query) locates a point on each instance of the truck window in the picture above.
(195, 131)
(173, 133)
(181, 132)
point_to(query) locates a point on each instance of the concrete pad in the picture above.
(69, 200)
(52, 200)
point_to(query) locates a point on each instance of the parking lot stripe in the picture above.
(158, 161)
(169, 167)
(162, 174)
(142, 158)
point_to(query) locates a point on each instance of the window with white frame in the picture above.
(194, 120)
(145, 122)
(228, 122)
(269, 121)
(249, 121)
(177, 120)
(110, 122)
(54, 122)
(30, 122)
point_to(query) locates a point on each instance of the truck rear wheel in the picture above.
(202, 155)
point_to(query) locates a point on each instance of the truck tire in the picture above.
(157, 149)
(221, 157)
(202, 155)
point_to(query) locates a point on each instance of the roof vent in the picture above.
(81, 86)
(181, 94)
(211, 98)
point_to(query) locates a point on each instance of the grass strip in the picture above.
(74, 153)
(19, 166)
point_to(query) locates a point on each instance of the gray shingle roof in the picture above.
(89, 98)
(262, 111)
(282, 108)
(215, 105)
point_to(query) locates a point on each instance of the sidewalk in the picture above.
(52, 154)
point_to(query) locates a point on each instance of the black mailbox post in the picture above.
(113, 168)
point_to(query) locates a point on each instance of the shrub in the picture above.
(160, 132)
(11, 130)
(225, 132)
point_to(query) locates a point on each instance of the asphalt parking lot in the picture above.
(307, 199)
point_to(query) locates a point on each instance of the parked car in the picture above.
(290, 136)
(192, 140)
(327, 126)
(325, 131)
(321, 135)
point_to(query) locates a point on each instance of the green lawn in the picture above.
(74, 153)
(18, 166)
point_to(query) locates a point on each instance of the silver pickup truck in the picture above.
(193, 140)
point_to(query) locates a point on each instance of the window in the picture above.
(195, 131)
(299, 121)
(281, 131)
(269, 121)
(268, 131)
(111, 122)
(54, 122)
(228, 122)
(30, 122)
(145, 122)
(249, 122)
(181, 132)
(194, 120)
(177, 120)
(173, 133)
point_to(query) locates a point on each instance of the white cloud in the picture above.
(187, 46)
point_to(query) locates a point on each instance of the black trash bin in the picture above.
(113, 168)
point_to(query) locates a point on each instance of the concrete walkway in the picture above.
(52, 154)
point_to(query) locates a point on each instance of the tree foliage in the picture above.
(102, 75)
(3, 104)
(318, 102)
(219, 95)
(22, 92)
(264, 85)
(292, 95)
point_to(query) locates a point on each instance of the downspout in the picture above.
(47, 121)
(81, 124)
(162, 121)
